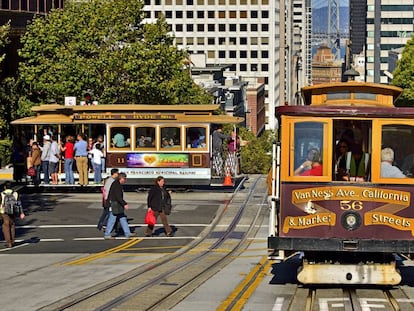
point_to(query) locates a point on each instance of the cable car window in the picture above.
(308, 149)
(338, 95)
(397, 159)
(145, 137)
(170, 137)
(120, 137)
(365, 96)
(196, 137)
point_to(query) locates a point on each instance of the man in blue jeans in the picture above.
(116, 194)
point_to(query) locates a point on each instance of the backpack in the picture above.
(10, 203)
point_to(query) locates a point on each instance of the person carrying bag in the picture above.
(159, 201)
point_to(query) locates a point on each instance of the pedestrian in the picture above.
(9, 198)
(54, 159)
(81, 156)
(45, 158)
(116, 199)
(105, 202)
(96, 156)
(157, 199)
(36, 162)
(68, 152)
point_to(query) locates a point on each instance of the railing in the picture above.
(34, 6)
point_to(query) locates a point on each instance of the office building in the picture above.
(389, 26)
(244, 34)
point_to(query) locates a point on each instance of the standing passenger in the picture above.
(156, 201)
(96, 160)
(218, 138)
(45, 158)
(54, 159)
(36, 162)
(68, 152)
(81, 156)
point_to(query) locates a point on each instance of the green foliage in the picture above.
(404, 75)
(257, 153)
(4, 38)
(103, 45)
(5, 152)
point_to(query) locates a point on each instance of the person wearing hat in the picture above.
(45, 157)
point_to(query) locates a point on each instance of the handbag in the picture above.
(117, 208)
(31, 171)
(150, 218)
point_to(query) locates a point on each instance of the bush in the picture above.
(256, 154)
(5, 152)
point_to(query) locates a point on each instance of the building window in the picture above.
(370, 47)
(200, 27)
(233, 14)
(232, 54)
(147, 2)
(190, 41)
(265, 54)
(265, 14)
(243, 41)
(265, 2)
(222, 14)
(253, 27)
(200, 41)
(179, 14)
(253, 67)
(168, 14)
(222, 27)
(190, 27)
(211, 41)
(222, 41)
(254, 2)
(179, 41)
(254, 14)
(233, 2)
(243, 2)
(233, 27)
(211, 54)
(179, 2)
(243, 14)
(243, 54)
(211, 27)
(222, 2)
(265, 67)
(232, 41)
(190, 14)
(200, 14)
(168, 2)
(254, 41)
(179, 27)
(189, 2)
(243, 67)
(265, 40)
(222, 54)
(265, 27)
(157, 2)
(253, 54)
(211, 14)
(147, 14)
(200, 2)
(243, 27)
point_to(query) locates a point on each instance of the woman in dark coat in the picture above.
(157, 200)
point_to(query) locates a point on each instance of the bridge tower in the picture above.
(334, 36)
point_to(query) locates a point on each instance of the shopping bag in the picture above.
(150, 218)
(31, 171)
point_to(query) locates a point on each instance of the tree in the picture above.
(103, 45)
(404, 75)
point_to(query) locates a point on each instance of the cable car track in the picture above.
(173, 277)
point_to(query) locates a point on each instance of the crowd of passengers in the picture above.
(81, 154)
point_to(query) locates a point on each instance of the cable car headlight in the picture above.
(351, 220)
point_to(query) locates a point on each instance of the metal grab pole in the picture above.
(272, 217)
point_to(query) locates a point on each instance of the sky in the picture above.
(321, 3)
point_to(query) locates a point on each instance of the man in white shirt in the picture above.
(387, 169)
